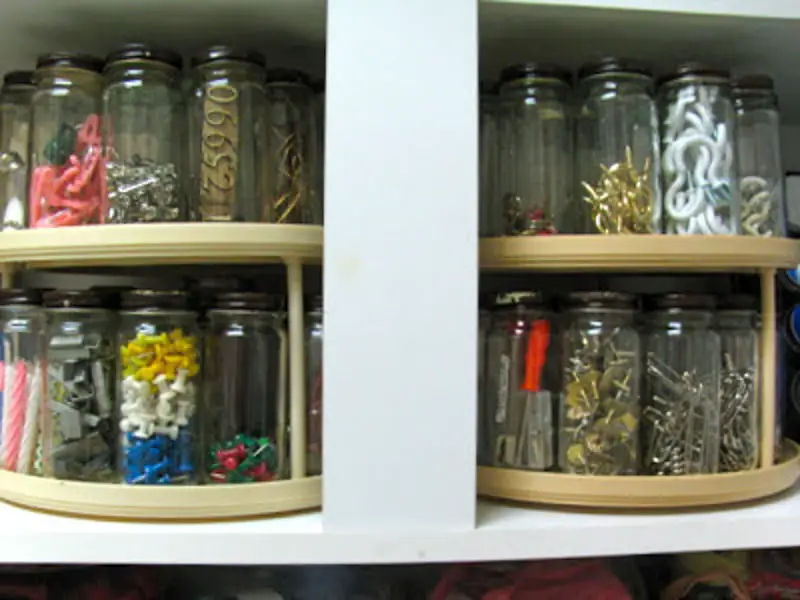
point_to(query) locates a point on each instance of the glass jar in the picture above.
(314, 334)
(484, 324)
(226, 135)
(758, 142)
(78, 438)
(698, 154)
(22, 322)
(618, 148)
(534, 163)
(682, 413)
(291, 133)
(521, 377)
(490, 220)
(66, 157)
(245, 387)
(15, 116)
(319, 144)
(158, 375)
(143, 125)
(737, 324)
(600, 396)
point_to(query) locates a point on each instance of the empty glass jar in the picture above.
(15, 116)
(314, 335)
(22, 324)
(682, 416)
(534, 164)
(618, 148)
(490, 221)
(698, 152)
(66, 142)
(245, 386)
(78, 437)
(521, 375)
(600, 398)
(159, 373)
(761, 172)
(227, 133)
(143, 123)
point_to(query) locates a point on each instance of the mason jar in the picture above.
(67, 185)
(521, 384)
(600, 395)
(143, 125)
(761, 174)
(15, 116)
(490, 219)
(737, 322)
(314, 335)
(698, 152)
(227, 133)
(78, 436)
(682, 412)
(534, 164)
(157, 395)
(319, 143)
(618, 148)
(291, 135)
(22, 323)
(484, 324)
(246, 390)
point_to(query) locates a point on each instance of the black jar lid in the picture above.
(222, 52)
(312, 302)
(248, 301)
(18, 78)
(694, 69)
(756, 82)
(145, 52)
(535, 70)
(528, 299)
(600, 300)
(20, 296)
(70, 60)
(681, 302)
(155, 300)
(738, 302)
(71, 299)
(110, 295)
(614, 66)
(281, 75)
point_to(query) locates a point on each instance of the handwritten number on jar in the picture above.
(220, 143)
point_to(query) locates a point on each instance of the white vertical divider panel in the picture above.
(400, 267)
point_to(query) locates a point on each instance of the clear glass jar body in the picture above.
(484, 324)
(23, 386)
(66, 157)
(534, 163)
(319, 154)
(682, 413)
(521, 376)
(739, 390)
(157, 396)
(246, 389)
(600, 397)
(314, 336)
(698, 157)
(291, 140)
(227, 141)
(144, 134)
(15, 115)
(761, 183)
(618, 152)
(490, 220)
(78, 437)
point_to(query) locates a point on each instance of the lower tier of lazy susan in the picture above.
(153, 503)
(646, 492)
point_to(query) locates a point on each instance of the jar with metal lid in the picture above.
(490, 220)
(698, 152)
(159, 375)
(682, 413)
(15, 116)
(600, 395)
(143, 126)
(758, 142)
(314, 335)
(246, 389)
(227, 133)
(291, 133)
(78, 436)
(22, 323)
(534, 164)
(737, 322)
(67, 183)
(618, 148)
(521, 378)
